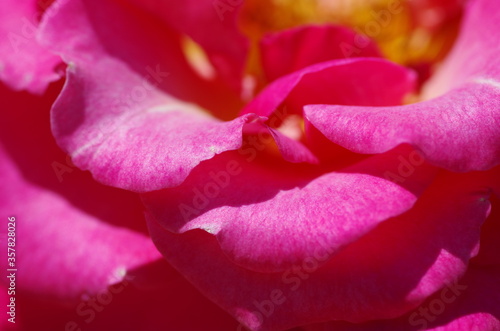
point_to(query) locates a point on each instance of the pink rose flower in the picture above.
(297, 175)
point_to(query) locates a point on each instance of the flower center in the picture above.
(415, 35)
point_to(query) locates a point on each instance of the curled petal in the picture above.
(24, 63)
(213, 25)
(384, 274)
(254, 223)
(100, 254)
(120, 115)
(361, 81)
(139, 146)
(70, 241)
(470, 303)
(287, 51)
(458, 130)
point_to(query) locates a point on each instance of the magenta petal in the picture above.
(370, 82)
(386, 273)
(213, 25)
(65, 252)
(172, 305)
(470, 303)
(475, 304)
(255, 224)
(458, 131)
(287, 51)
(137, 146)
(478, 35)
(74, 236)
(24, 63)
(290, 149)
(116, 115)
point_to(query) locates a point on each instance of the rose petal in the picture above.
(478, 35)
(254, 223)
(337, 82)
(71, 240)
(139, 41)
(140, 147)
(176, 305)
(287, 51)
(471, 303)
(383, 275)
(122, 124)
(458, 130)
(290, 149)
(24, 63)
(224, 44)
(98, 254)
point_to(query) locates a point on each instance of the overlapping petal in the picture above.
(24, 63)
(106, 108)
(458, 130)
(287, 51)
(115, 115)
(173, 304)
(249, 206)
(72, 237)
(360, 81)
(99, 254)
(471, 303)
(384, 274)
(213, 25)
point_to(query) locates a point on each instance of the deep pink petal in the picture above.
(287, 51)
(24, 63)
(77, 236)
(117, 116)
(175, 305)
(460, 130)
(138, 40)
(256, 224)
(490, 232)
(471, 303)
(65, 252)
(384, 274)
(213, 25)
(478, 35)
(137, 146)
(373, 82)
(290, 149)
